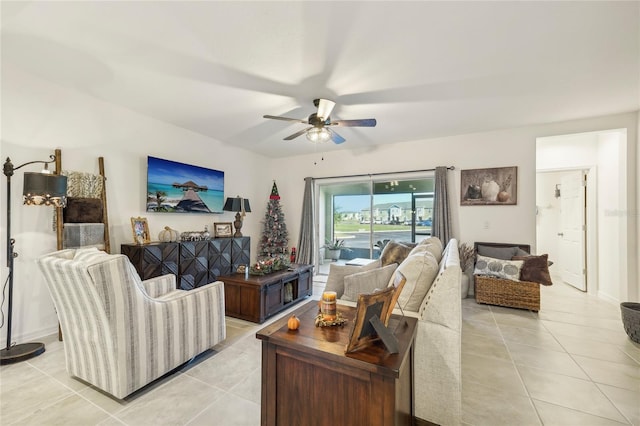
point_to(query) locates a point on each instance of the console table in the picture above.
(308, 380)
(259, 297)
(195, 263)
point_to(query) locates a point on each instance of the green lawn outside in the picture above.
(353, 226)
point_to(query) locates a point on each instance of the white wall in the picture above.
(611, 219)
(548, 216)
(38, 117)
(606, 152)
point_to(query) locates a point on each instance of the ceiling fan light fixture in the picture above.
(318, 134)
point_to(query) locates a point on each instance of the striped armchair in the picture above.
(121, 333)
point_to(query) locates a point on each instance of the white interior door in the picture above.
(573, 229)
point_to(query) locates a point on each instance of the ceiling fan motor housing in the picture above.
(316, 121)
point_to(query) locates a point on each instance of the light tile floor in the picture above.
(570, 364)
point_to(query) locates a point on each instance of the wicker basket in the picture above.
(631, 319)
(502, 292)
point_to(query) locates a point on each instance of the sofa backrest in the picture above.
(442, 303)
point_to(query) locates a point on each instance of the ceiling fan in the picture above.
(321, 121)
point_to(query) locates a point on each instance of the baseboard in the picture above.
(421, 422)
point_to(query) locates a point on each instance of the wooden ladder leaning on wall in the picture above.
(59, 212)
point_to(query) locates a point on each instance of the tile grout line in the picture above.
(587, 374)
(73, 392)
(571, 356)
(513, 363)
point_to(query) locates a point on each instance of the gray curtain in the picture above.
(441, 214)
(305, 242)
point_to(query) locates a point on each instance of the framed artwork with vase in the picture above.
(489, 187)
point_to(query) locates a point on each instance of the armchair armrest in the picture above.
(158, 286)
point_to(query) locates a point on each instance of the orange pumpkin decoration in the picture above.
(293, 323)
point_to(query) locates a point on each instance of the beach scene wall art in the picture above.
(174, 187)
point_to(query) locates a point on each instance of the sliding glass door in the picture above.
(364, 214)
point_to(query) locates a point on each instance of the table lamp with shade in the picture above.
(39, 189)
(240, 206)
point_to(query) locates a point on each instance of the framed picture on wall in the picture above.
(489, 187)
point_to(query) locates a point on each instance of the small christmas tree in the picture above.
(273, 244)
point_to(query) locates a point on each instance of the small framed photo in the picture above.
(369, 305)
(140, 228)
(222, 230)
(398, 284)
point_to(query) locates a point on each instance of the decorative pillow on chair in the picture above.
(508, 269)
(367, 282)
(335, 280)
(394, 252)
(535, 269)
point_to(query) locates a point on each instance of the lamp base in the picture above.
(238, 225)
(22, 352)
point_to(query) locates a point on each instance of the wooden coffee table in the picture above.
(257, 298)
(308, 380)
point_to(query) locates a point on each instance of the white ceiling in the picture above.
(422, 69)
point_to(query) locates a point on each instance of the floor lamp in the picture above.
(39, 189)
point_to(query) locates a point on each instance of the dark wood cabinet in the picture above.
(307, 379)
(195, 263)
(259, 297)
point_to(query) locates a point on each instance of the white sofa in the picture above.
(437, 349)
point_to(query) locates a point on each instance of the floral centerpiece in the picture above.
(269, 265)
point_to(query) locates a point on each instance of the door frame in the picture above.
(591, 224)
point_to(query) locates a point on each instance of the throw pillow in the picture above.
(535, 269)
(367, 282)
(420, 270)
(508, 269)
(394, 252)
(432, 248)
(335, 280)
(504, 253)
(433, 240)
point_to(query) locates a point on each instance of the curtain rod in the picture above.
(380, 174)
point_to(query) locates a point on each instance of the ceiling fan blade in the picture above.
(296, 134)
(366, 122)
(336, 138)
(277, 117)
(325, 107)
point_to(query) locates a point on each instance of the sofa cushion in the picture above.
(394, 252)
(420, 269)
(535, 269)
(367, 282)
(505, 253)
(335, 280)
(508, 269)
(433, 248)
(433, 240)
